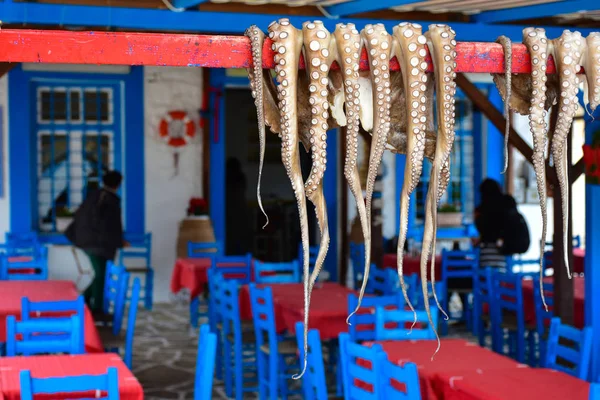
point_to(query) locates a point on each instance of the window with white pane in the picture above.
(75, 129)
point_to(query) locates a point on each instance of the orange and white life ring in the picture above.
(189, 128)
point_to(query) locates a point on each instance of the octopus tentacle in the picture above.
(567, 51)
(441, 43)
(287, 42)
(379, 44)
(348, 51)
(409, 48)
(592, 71)
(537, 44)
(318, 55)
(507, 46)
(255, 73)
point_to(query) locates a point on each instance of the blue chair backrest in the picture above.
(357, 256)
(54, 309)
(361, 366)
(205, 364)
(313, 381)
(279, 272)
(362, 324)
(204, 249)
(25, 243)
(508, 297)
(25, 270)
(263, 316)
(116, 287)
(543, 317)
(440, 290)
(230, 310)
(107, 383)
(483, 288)
(215, 289)
(395, 324)
(56, 335)
(569, 349)
(131, 318)
(400, 382)
(459, 263)
(234, 267)
(140, 248)
(382, 281)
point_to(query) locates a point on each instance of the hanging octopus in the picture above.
(591, 64)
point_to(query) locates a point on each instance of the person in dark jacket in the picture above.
(97, 229)
(489, 220)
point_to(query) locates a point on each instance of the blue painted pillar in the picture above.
(494, 142)
(331, 182)
(592, 258)
(217, 152)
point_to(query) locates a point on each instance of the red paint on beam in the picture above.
(212, 51)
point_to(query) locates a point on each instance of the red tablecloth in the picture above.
(190, 273)
(11, 293)
(328, 307)
(65, 365)
(454, 355)
(511, 384)
(578, 300)
(412, 265)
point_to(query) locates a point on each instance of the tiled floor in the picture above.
(165, 349)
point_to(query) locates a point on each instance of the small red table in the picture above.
(328, 307)
(190, 273)
(578, 300)
(11, 293)
(66, 365)
(412, 265)
(454, 355)
(510, 384)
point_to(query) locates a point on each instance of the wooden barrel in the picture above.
(193, 229)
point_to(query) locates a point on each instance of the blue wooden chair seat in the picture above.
(140, 250)
(280, 272)
(107, 383)
(569, 349)
(205, 364)
(54, 335)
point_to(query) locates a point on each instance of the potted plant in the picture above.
(64, 217)
(198, 207)
(449, 215)
(196, 227)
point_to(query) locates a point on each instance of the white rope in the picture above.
(170, 6)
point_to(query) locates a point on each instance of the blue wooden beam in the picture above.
(537, 11)
(360, 6)
(186, 3)
(212, 22)
(494, 143)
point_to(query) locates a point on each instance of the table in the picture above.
(454, 355)
(66, 365)
(578, 300)
(511, 384)
(190, 273)
(412, 265)
(11, 293)
(328, 307)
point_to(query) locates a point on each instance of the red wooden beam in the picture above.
(124, 48)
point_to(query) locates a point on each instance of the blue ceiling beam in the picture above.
(186, 3)
(537, 11)
(212, 22)
(360, 6)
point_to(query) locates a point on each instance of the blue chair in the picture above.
(56, 335)
(313, 381)
(280, 272)
(483, 296)
(509, 315)
(234, 267)
(116, 286)
(356, 373)
(459, 264)
(26, 270)
(442, 294)
(239, 344)
(395, 325)
(595, 391)
(108, 383)
(542, 319)
(24, 244)
(215, 317)
(382, 281)
(40, 310)
(577, 353)
(204, 249)
(140, 249)
(205, 364)
(406, 376)
(362, 324)
(273, 351)
(357, 256)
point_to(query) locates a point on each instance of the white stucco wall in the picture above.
(4, 160)
(167, 195)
